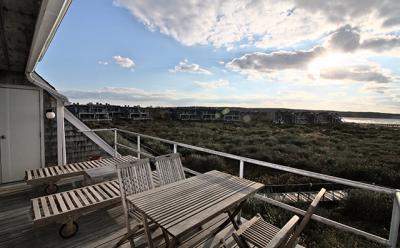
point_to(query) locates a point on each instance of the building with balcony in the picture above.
(205, 114)
(107, 112)
(306, 118)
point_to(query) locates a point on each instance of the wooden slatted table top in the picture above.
(187, 204)
(104, 171)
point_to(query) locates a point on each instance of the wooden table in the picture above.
(182, 207)
(99, 174)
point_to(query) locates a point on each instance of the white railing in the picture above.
(391, 241)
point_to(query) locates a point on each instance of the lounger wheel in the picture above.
(68, 230)
(51, 189)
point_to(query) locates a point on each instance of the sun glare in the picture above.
(324, 62)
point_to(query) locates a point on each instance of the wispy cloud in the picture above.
(185, 66)
(287, 99)
(100, 62)
(124, 62)
(209, 85)
(269, 62)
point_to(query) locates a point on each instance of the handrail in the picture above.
(135, 150)
(273, 166)
(324, 220)
(395, 221)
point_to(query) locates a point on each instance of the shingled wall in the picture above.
(78, 146)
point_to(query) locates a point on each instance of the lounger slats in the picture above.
(83, 197)
(58, 206)
(60, 201)
(68, 200)
(54, 173)
(53, 204)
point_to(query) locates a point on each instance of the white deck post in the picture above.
(61, 152)
(241, 172)
(394, 224)
(241, 168)
(115, 142)
(175, 148)
(138, 147)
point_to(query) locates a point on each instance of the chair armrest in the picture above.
(284, 234)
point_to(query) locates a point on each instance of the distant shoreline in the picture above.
(372, 121)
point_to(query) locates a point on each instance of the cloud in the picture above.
(270, 62)
(284, 99)
(213, 84)
(134, 96)
(338, 11)
(124, 62)
(346, 39)
(233, 23)
(365, 73)
(375, 88)
(100, 62)
(381, 44)
(185, 66)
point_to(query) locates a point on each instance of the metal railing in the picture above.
(391, 241)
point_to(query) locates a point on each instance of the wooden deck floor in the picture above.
(98, 229)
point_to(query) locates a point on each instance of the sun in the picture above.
(326, 61)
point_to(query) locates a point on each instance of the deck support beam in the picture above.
(61, 150)
(394, 224)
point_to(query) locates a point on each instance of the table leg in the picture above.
(128, 236)
(172, 243)
(166, 237)
(147, 231)
(231, 219)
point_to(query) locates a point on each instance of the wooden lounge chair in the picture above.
(50, 175)
(134, 177)
(66, 207)
(169, 168)
(259, 233)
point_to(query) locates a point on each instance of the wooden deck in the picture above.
(294, 197)
(98, 229)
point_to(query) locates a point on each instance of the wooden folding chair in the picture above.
(134, 177)
(169, 168)
(260, 233)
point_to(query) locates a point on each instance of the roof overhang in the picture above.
(50, 16)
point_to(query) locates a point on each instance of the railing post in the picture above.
(175, 148)
(394, 224)
(241, 172)
(138, 147)
(115, 143)
(241, 168)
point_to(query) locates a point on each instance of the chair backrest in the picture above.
(134, 177)
(169, 168)
(262, 234)
(306, 218)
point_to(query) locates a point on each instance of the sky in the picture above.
(323, 55)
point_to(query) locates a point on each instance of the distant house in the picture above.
(232, 116)
(187, 115)
(209, 115)
(107, 112)
(138, 113)
(306, 117)
(204, 114)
